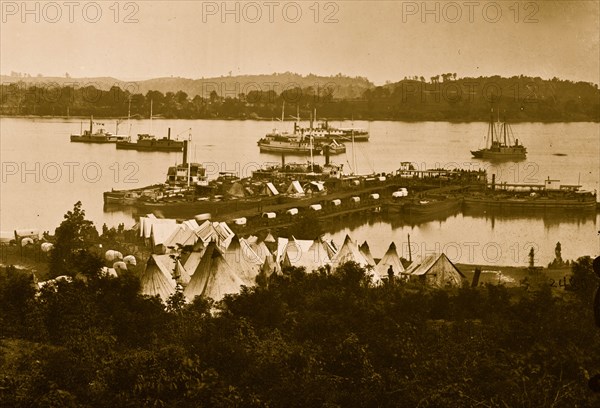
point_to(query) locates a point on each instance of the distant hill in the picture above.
(520, 98)
(225, 86)
(440, 98)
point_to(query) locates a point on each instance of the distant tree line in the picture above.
(412, 99)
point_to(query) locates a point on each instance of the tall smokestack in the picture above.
(185, 152)
(169, 134)
(326, 150)
(282, 160)
(493, 182)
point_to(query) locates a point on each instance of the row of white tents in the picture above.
(166, 235)
(217, 267)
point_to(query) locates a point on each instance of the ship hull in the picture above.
(493, 155)
(434, 207)
(95, 140)
(530, 203)
(330, 138)
(150, 148)
(299, 149)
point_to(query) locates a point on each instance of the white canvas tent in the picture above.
(259, 248)
(157, 279)
(243, 260)
(270, 267)
(281, 245)
(160, 233)
(295, 188)
(310, 255)
(215, 231)
(436, 270)
(192, 261)
(390, 258)
(182, 235)
(349, 251)
(213, 278)
(270, 190)
(366, 252)
(146, 224)
(181, 274)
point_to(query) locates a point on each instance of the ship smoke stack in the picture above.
(326, 151)
(185, 151)
(169, 134)
(282, 160)
(493, 182)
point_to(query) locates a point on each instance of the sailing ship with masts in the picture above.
(500, 143)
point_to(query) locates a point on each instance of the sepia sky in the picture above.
(382, 40)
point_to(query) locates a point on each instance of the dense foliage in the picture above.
(71, 240)
(452, 99)
(321, 339)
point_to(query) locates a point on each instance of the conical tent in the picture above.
(330, 247)
(292, 249)
(183, 277)
(390, 258)
(184, 235)
(366, 252)
(192, 261)
(310, 255)
(243, 260)
(436, 270)
(157, 278)
(214, 278)
(281, 248)
(270, 267)
(261, 249)
(349, 252)
(236, 190)
(269, 239)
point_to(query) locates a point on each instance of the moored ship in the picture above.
(99, 136)
(545, 197)
(324, 131)
(150, 143)
(295, 144)
(500, 143)
(434, 205)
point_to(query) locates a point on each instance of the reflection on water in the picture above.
(550, 218)
(477, 239)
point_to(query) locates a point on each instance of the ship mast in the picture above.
(491, 127)
(312, 159)
(151, 116)
(504, 129)
(353, 149)
(129, 117)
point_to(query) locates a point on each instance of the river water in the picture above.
(43, 175)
